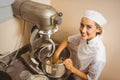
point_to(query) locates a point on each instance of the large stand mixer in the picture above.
(45, 18)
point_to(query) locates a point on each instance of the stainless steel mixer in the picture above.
(45, 18)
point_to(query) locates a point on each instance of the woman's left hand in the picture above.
(69, 64)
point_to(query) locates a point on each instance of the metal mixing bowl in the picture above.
(53, 70)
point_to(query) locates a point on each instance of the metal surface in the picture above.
(19, 65)
(37, 63)
(30, 64)
(46, 19)
(44, 16)
(53, 70)
(32, 67)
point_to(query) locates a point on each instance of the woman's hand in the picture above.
(69, 64)
(60, 48)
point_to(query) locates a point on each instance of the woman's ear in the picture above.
(99, 30)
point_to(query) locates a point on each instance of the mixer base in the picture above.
(33, 67)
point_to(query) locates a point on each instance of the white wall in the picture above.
(72, 12)
(11, 33)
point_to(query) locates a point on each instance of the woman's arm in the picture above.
(69, 65)
(59, 50)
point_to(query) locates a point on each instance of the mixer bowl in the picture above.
(56, 70)
(53, 70)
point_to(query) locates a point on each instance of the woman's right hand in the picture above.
(55, 57)
(59, 50)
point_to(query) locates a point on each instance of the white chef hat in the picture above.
(96, 16)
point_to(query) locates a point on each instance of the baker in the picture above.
(90, 52)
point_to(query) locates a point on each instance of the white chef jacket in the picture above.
(91, 56)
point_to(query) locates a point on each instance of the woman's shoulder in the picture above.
(74, 39)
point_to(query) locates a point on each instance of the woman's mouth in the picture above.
(83, 35)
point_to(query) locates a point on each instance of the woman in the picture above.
(90, 52)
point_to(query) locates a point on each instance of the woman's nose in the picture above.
(83, 30)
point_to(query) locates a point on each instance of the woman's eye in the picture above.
(81, 25)
(89, 27)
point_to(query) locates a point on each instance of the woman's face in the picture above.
(88, 29)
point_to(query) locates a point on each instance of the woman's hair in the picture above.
(98, 26)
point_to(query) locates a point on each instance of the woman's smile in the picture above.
(88, 29)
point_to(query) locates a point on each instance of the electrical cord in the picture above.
(14, 57)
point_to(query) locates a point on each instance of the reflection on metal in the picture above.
(44, 16)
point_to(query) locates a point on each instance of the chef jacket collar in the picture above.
(94, 40)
